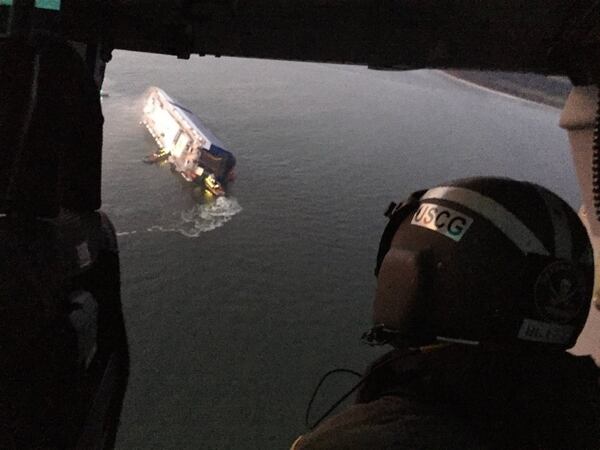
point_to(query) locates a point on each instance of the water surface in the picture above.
(235, 310)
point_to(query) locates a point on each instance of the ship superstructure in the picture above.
(186, 143)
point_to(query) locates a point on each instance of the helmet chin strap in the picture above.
(580, 118)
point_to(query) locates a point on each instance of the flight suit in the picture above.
(462, 397)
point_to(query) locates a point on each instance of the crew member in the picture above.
(63, 345)
(482, 286)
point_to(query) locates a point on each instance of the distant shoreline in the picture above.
(551, 91)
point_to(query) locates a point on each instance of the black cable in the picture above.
(401, 354)
(336, 404)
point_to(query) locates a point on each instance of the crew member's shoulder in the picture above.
(390, 422)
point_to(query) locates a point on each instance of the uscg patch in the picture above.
(446, 221)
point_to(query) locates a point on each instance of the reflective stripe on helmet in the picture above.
(563, 244)
(504, 220)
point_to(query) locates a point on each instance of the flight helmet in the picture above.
(490, 261)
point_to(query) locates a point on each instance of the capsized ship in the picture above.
(186, 143)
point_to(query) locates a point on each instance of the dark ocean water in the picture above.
(234, 310)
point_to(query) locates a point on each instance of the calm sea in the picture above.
(236, 308)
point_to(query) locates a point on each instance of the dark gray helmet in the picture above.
(483, 260)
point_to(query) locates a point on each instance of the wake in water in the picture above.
(199, 219)
(203, 217)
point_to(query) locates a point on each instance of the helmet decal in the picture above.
(548, 333)
(445, 221)
(486, 207)
(559, 295)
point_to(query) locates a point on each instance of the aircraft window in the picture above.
(47, 4)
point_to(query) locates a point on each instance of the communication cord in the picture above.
(337, 403)
(363, 379)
